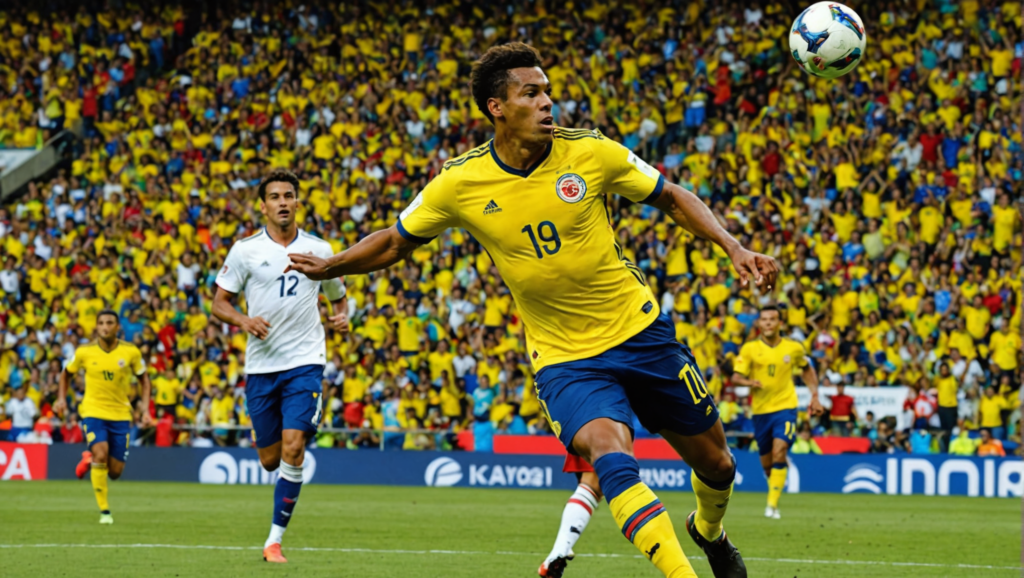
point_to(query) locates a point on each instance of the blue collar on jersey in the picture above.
(517, 172)
(298, 234)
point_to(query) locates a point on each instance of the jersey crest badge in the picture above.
(571, 188)
(785, 359)
(120, 363)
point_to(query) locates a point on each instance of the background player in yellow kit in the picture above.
(535, 197)
(766, 366)
(106, 410)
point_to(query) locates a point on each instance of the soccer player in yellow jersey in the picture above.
(534, 196)
(766, 366)
(106, 411)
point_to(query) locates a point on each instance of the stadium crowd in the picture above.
(892, 197)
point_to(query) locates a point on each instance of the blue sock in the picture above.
(617, 473)
(286, 493)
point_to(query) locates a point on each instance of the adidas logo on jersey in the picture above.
(265, 264)
(492, 208)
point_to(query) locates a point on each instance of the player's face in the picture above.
(527, 108)
(280, 204)
(769, 323)
(106, 327)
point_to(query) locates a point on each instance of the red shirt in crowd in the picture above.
(923, 405)
(89, 105)
(353, 414)
(72, 434)
(165, 431)
(931, 147)
(770, 163)
(842, 407)
(994, 303)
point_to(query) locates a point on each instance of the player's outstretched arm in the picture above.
(339, 320)
(223, 309)
(147, 386)
(688, 211)
(375, 252)
(60, 406)
(742, 380)
(810, 378)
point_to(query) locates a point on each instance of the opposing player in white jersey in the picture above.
(284, 364)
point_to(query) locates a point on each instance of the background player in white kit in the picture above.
(285, 362)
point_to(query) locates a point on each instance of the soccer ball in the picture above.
(828, 39)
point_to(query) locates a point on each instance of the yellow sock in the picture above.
(645, 523)
(776, 483)
(711, 506)
(98, 474)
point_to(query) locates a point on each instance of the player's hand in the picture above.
(339, 322)
(59, 407)
(258, 327)
(755, 384)
(762, 269)
(146, 420)
(313, 267)
(814, 407)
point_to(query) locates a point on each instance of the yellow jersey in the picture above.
(947, 387)
(108, 378)
(1004, 348)
(221, 410)
(409, 331)
(773, 367)
(439, 362)
(548, 232)
(991, 409)
(166, 391)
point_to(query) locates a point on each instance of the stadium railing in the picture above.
(380, 433)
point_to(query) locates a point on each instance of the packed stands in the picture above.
(892, 197)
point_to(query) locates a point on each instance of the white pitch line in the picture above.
(505, 553)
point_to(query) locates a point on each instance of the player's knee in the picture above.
(292, 452)
(602, 437)
(779, 456)
(591, 480)
(719, 468)
(270, 463)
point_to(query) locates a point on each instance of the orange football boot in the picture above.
(83, 466)
(272, 553)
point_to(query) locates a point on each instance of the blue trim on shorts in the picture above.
(111, 432)
(644, 376)
(290, 399)
(772, 426)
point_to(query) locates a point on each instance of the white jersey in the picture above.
(288, 301)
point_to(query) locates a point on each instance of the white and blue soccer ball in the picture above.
(828, 39)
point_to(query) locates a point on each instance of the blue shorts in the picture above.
(117, 434)
(290, 399)
(651, 375)
(694, 116)
(778, 425)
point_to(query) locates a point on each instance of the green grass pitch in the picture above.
(50, 529)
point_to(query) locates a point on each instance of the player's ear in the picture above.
(495, 107)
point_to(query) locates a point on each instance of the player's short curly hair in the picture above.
(490, 74)
(110, 312)
(278, 176)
